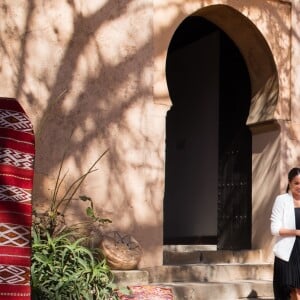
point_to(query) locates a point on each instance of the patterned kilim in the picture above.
(148, 292)
(16, 177)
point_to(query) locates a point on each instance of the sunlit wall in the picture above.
(83, 71)
(91, 77)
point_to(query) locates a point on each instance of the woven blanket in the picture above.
(16, 177)
(148, 292)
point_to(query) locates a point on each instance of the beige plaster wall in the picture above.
(291, 128)
(82, 70)
(266, 178)
(91, 76)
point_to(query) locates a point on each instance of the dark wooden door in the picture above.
(234, 194)
(234, 179)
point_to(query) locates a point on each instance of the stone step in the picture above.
(200, 272)
(195, 255)
(131, 277)
(222, 291)
(210, 272)
(186, 248)
(226, 290)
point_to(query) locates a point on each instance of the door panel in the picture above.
(235, 148)
(234, 192)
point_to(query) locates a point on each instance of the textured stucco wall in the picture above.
(91, 76)
(82, 70)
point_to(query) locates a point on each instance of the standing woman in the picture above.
(285, 225)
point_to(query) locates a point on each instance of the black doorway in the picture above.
(210, 90)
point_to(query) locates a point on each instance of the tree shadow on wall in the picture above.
(89, 100)
(106, 107)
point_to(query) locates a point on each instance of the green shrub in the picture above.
(64, 269)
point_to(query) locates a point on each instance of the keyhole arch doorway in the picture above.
(208, 185)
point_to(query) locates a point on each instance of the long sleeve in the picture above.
(277, 216)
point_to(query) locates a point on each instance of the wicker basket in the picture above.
(122, 251)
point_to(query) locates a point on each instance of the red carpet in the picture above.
(16, 177)
(148, 292)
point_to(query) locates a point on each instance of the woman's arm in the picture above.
(289, 232)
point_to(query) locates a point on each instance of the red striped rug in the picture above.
(148, 292)
(16, 178)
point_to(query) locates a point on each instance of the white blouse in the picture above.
(283, 216)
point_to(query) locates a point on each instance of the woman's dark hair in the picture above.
(292, 174)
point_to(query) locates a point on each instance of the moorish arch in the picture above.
(257, 55)
(215, 49)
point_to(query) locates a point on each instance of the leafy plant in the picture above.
(64, 269)
(62, 266)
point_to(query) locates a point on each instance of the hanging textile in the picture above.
(16, 180)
